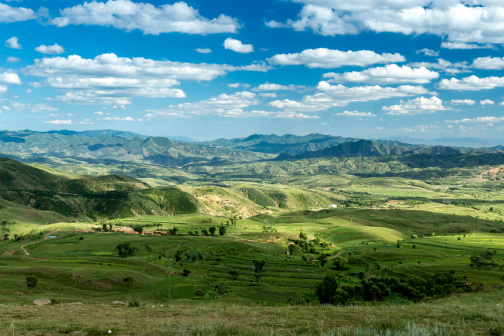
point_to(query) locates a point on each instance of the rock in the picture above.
(75, 303)
(118, 303)
(41, 302)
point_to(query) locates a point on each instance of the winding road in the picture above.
(37, 241)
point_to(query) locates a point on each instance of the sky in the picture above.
(208, 69)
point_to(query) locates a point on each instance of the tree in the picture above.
(234, 274)
(174, 231)
(205, 232)
(138, 228)
(31, 281)
(292, 248)
(322, 259)
(126, 250)
(186, 272)
(222, 230)
(340, 264)
(128, 281)
(303, 235)
(258, 265)
(199, 293)
(326, 289)
(212, 230)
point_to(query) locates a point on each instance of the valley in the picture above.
(187, 231)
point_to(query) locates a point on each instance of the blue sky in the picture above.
(220, 68)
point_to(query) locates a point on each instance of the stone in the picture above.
(41, 302)
(118, 303)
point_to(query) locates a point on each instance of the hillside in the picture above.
(111, 147)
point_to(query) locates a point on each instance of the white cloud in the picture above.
(488, 63)
(98, 113)
(109, 79)
(293, 115)
(487, 102)
(321, 20)
(268, 94)
(328, 58)
(340, 95)
(356, 114)
(276, 87)
(463, 45)
(389, 74)
(488, 120)
(416, 106)
(443, 65)
(471, 83)
(12, 59)
(462, 102)
(203, 50)
(125, 14)
(54, 49)
(13, 43)
(238, 46)
(224, 105)
(10, 14)
(35, 108)
(456, 21)
(10, 78)
(428, 52)
(120, 119)
(59, 122)
(3, 89)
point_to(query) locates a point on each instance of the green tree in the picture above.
(340, 264)
(212, 230)
(259, 264)
(128, 281)
(126, 250)
(234, 274)
(326, 289)
(186, 272)
(303, 235)
(138, 228)
(31, 281)
(222, 230)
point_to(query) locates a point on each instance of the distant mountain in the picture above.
(108, 147)
(291, 144)
(457, 142)
(370, 148)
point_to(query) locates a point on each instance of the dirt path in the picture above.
(37, 241)
(336, 255)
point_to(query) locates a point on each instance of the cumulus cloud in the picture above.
(487, 102)
(471, 83)
(328, 58)
(12, 59)
(120, 119)
(10, 14)
(238, 46)
(390, 74)
(356, 114)
(203, 50)
(13, 43)
(416, 106)
(428, 52)
(487, 120)
(35, 108)
(125, 14)
(3, 89)
(462, 102)
(54, 49)
(109, 79)
(340, 95)
(59, 122)
(276, 87)
(456, 21)
(488, 63)
(236, 105)
(9, 78)
(444, 65)
(463, 45)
